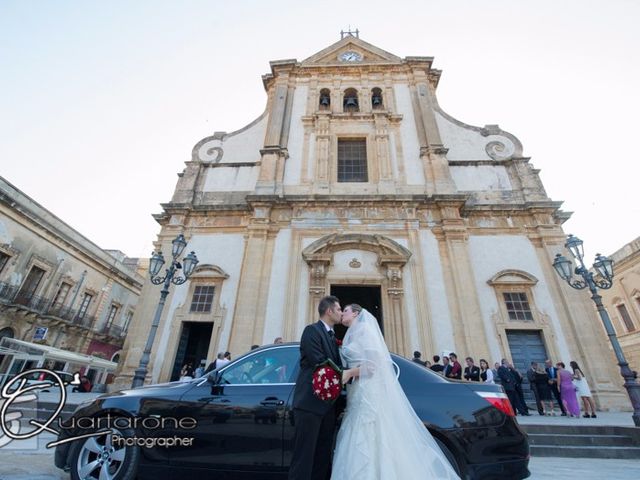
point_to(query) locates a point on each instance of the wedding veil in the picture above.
(383, 415)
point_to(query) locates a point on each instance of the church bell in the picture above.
(350, 102)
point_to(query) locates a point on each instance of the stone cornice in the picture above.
(39, 217)
(542, 207)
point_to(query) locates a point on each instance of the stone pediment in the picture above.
(363, 53)
(512, 277)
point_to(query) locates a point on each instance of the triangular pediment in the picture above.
(356, 51)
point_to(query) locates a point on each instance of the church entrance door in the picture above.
(193, 346)
(368, 297)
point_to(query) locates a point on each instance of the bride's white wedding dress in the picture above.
(381, 437)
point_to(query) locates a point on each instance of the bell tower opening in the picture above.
(368, 297)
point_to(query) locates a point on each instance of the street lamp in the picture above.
(155, 265)
(604, 267)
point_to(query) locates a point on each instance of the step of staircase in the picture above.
(583, 441)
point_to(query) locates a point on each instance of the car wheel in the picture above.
(98, 458)
(450, 456)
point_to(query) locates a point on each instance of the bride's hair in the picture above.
(355, 307)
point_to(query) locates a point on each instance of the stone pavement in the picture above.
(38, 465)
(30, 460)
(558, 468)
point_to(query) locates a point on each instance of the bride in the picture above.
(381, 437)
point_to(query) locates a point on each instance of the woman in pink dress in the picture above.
(567, 391)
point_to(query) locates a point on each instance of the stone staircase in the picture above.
(579, 441)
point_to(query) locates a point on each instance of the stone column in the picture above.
(318, 269)
(253, 287)
(457, 266)
(395, 332)
(383, 159)
(274, 152)
(432, 151)
(323, 154)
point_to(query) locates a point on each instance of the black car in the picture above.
(237, 423)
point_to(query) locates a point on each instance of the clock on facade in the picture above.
(350, 56)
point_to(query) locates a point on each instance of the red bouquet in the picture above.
(326, 381)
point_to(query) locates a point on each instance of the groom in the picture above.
(315, 420)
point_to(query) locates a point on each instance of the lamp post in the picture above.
(604, 267)
(157, 261)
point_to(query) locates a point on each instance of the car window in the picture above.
(275, 365)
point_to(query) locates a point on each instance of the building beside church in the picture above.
(355, 182)
(622, 300)
(57, 288)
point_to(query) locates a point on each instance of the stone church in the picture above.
(355, 182)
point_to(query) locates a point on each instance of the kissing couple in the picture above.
(381, 436)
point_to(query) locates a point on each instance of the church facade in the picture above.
(355, 182)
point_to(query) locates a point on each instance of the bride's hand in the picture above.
(349, 374)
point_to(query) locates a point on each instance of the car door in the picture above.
(240, 415)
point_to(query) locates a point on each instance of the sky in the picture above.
(101, 103)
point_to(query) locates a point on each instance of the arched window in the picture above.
(325, 99)
(514, 289)
(350, 101)
(376, 98)
(7, 332)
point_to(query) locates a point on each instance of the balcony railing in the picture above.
(10, 295)
(113, 330)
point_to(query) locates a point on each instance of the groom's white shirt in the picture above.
(329, 329)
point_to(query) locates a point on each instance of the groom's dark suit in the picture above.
(314, 419)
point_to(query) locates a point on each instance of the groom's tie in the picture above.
(332, 337)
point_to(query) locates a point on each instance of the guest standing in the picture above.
(417, 358)
(495, 368)
(567, 391)
(486, 374)
(471, 371)
(541, 380)
(186, 373)
(446, 366)
(509, 384)
(584, 391)
(552, 373)
(456, 368)
(518, 382)
(436, 367)
(531, 376)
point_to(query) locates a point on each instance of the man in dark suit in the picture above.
(518, 379)
(509, 384)
(552, 373)
(531, 376)
(471, 371)
(315, 420)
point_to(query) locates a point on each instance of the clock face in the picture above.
(350, 57)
